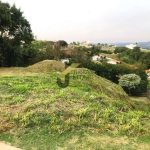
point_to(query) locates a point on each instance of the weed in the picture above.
(34, 106)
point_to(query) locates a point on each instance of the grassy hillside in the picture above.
(113, 56)
(108, 48)
(91, 113)
(38, 68)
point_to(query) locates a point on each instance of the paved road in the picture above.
(7, 147)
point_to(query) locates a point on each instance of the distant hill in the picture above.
(144, 45)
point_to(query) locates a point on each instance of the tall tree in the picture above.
(62, 43)
(5, 20)
(15, 35)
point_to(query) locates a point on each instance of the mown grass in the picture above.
(91, 113)
(108, 48)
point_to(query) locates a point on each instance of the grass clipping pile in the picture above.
(40, 67)
(46, 66)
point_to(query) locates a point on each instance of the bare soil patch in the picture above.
(4, 146)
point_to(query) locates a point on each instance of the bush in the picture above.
(130, 81)
(113, 73)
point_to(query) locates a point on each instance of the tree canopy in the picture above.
(62, 43)
(15, 35)
(133, 56)
(129, 80)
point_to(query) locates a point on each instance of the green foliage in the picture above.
(69, 109)
(144, 58)
(133, 56)
(5, 18)
(136, 52)
(62, 43)
(120, 49)
(148, 86)
(43, 113)
(106, 51)
(129, 80)
(95, 50)
(113, 72)
(42, 50)
(80, 55)
(15, 36)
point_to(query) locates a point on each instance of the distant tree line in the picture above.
(133, 56)
(114, 72)
(57, 50)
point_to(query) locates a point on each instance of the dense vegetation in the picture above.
(114, 72)
(133, 56)
(15, 36)
(36, 113)
(129, 81)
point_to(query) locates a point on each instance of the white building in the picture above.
(87, 44)
(131, 46)
(97, 58)
(67, 60)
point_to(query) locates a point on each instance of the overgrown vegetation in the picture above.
(133, 56)
(15, 36)
(34, 106)
(91, 113)
(148, 86)
(114, 72)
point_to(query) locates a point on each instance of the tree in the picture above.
(80, 55)
(95, 50)
(5, 17)
(74, 43)
(136, 52)
(120, 49)
(144, 59)
(130, 81)
(15, 35)
(62, 43)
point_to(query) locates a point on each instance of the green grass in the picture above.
(148, 86)
(41, 139)
(91, 113)
(112, 56)
(108, 48)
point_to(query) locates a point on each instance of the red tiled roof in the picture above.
(101, 55)
(68, 52)
(147, 71)
(114, 60)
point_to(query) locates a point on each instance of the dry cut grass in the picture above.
(40, 67)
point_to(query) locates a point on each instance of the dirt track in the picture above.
(7, 147)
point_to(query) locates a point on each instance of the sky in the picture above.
(97, 21)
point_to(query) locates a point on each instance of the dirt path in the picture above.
(4, 146)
